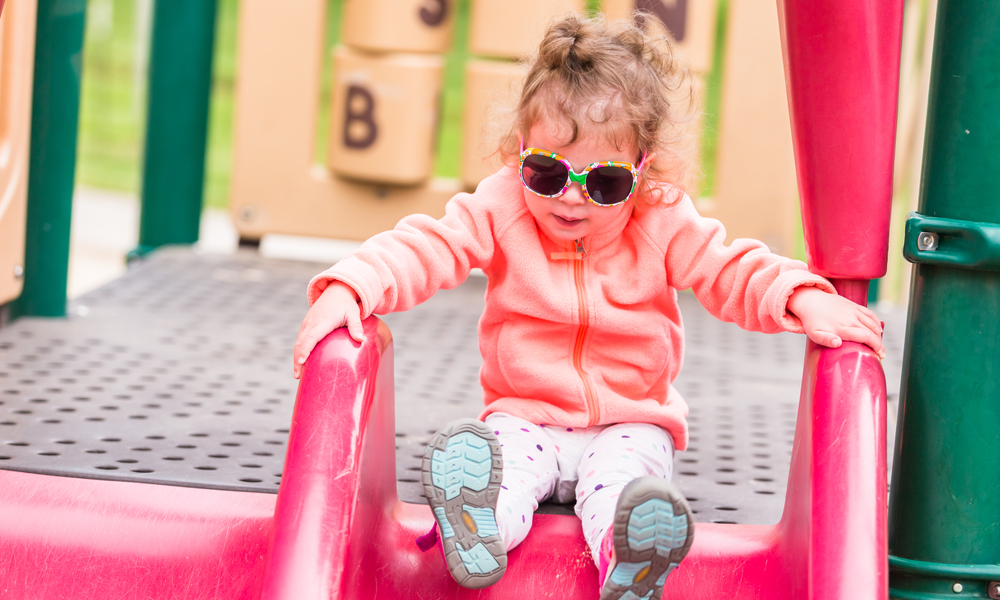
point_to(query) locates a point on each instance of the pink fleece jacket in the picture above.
(576, 342)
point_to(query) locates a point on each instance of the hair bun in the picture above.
(566, 46)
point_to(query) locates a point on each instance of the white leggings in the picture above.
(590, 464)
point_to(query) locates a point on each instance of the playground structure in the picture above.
(337, 529)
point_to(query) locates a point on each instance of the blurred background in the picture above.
(746, 176)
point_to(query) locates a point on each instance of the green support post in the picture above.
(944, 509)
(55, 110)
(180, 80)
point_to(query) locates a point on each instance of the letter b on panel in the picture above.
(385, 116)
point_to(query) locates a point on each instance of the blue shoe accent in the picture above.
(466, 462)
(446, 530)
(486, 521)
(680, 531)
(624, 573)
(652, 525)
(478, 560)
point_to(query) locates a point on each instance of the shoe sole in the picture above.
(462, 471)
(652, 533)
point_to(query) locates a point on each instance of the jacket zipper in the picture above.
(594, 411)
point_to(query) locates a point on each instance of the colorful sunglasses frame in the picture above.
(581, 177)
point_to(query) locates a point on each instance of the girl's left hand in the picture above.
(829, 319)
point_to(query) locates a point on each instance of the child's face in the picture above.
(571, 216)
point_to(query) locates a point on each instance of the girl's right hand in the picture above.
(336, 307)
(829, 319)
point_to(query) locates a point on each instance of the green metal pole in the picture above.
(55, 108)
(944, 509)
(180, 79)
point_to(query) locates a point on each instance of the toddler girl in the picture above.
(585, 241)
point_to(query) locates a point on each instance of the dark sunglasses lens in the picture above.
(609, 185)
(543, 175)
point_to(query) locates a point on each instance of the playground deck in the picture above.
(179, 373)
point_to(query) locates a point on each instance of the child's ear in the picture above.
(646, 164)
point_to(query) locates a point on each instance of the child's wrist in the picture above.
(799, 297)
(339, 287)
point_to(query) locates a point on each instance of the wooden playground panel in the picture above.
(17, 59)
(385, 107)
(386, 86)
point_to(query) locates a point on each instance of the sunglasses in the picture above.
(605, 183)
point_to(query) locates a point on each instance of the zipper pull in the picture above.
(579, 254)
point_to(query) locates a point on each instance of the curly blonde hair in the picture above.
(612, 79)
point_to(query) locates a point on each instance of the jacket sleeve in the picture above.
(743, 282)
(396, 270)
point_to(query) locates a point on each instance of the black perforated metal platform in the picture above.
(180, 373)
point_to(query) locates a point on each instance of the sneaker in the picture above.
(462, 472)
(652, 532)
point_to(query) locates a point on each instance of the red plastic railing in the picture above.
(842, 74)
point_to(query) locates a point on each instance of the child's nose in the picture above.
(574, 195)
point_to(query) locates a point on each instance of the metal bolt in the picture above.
(927, 241)
(18, 271)
(247, 213)
(957, 588)
(994, 590)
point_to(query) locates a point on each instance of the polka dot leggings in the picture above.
(590, 464)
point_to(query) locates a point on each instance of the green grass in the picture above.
(449, 147)
(709, 140)
(113, 98)
(112, 106)
(219, 154)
